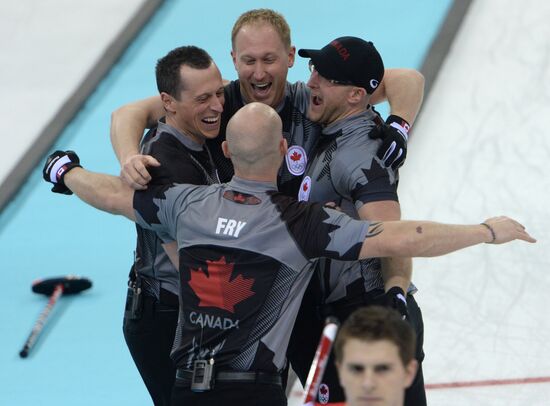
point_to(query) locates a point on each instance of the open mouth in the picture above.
(261, 89)
(316, 100)
(211, 121)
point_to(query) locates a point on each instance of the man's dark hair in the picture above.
(168, 67)
(376, 323)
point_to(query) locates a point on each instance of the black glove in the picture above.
(394, 135)
(394, 298)
(56, 167)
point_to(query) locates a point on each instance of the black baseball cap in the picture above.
(349, 60)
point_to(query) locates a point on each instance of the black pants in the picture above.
(308, 329)
(231, 394)
(150, 340)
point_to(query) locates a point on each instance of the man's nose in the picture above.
(313, 81)
(369, 380)
(216, 105)
(259, 70)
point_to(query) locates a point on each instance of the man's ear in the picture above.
(283, 146)
(411, 369)
(167, 102)
(291, 56)
(234, 58)
(225, 149)
(357, 95)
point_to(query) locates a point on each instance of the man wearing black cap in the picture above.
(346, 170)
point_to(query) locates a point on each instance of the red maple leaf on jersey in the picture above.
(217, 289)
(295, 156)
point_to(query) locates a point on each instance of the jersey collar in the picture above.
(184, 139)
(251, 186)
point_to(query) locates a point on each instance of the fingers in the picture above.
(528, 238)
(332, 205)
(385, 153)
(134, 171)
(399, 160)
(508, 229)
(525, 236)
(391, 155)
(131, 180)
(148, 160)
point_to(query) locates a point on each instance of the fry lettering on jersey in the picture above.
(229, 227)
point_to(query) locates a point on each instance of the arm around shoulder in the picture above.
(127, 126)
(130, 121)
(404, 90)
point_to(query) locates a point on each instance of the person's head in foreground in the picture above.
(374, 353)
(255, 143)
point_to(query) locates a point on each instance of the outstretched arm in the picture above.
(127, 126)
(430, 239)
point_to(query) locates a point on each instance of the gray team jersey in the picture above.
(182, 161)
(246, 252)
(345, 170)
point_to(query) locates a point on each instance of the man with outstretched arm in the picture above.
(191, 89)
(245, 254)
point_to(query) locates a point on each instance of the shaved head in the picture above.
(255, 140)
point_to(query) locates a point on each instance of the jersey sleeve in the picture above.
(344, 236)
(359, 175)
(320, 231)
(159, 207)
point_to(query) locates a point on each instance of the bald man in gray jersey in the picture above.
(245, 255)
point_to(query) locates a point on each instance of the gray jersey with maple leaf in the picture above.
(345, 170)
(246, 252)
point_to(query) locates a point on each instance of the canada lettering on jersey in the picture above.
(208, 320)
(229, 227)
